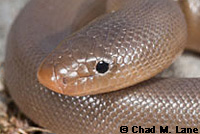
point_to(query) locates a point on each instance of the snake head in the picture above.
(78, 67)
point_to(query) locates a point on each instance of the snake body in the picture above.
(137, 38)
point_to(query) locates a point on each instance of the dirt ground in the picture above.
(12, 121)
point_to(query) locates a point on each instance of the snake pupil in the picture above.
(102, 67)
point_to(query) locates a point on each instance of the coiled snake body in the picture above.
(130, 42)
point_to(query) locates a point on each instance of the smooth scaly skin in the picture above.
(136, 47)
(155, 102)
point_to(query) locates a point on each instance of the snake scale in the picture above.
(85, 50)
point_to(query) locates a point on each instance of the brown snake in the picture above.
(130, 42)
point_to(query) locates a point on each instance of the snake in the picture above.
(88, 66)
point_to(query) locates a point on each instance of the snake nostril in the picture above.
(102, 67)
(64, 81)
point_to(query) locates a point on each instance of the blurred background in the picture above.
(8, 11)
(11, 120)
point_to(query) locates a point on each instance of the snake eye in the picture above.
(102, 67)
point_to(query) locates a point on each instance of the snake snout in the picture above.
(47, 77)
